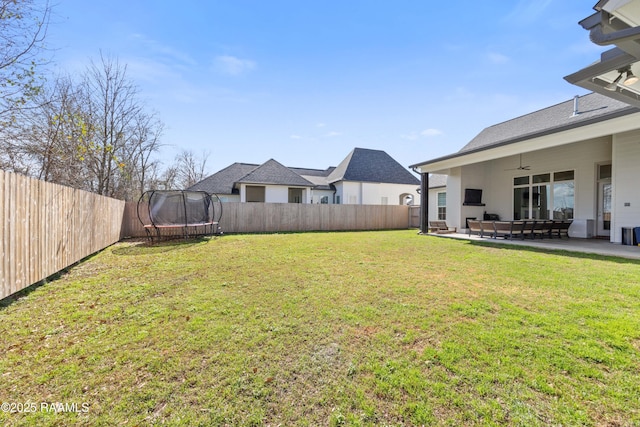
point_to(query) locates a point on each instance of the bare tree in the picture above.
(51, 134)
(112, 105)
(140, 169)
(93, 135)
(23, 27)
(189, 168)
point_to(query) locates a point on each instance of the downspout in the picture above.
(424, 203)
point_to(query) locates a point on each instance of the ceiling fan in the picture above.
(520, 168)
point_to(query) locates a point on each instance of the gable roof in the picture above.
(367, 165)
(592, 108)
(272, 172)
(360, 165)
(223, 181)
(318, 177)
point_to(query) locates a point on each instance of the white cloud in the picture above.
(431, 132)
(320, 125)
(332, 134)
(232, 65)
(294, 136)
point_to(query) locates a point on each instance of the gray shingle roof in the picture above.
(272, 172)
(313, 172)
(317, 177)
(360, 165)
(222, 182)
(592, 108)
(549, 120)
(371, 166)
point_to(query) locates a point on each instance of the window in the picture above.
(324, 200)
(295, 195)
(255, 194)
(442, 206)
(549, 196)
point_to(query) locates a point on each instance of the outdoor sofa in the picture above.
(520, 228)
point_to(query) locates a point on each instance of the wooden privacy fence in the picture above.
(283, 217)
(46, 227)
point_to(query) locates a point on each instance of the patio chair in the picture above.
(508, 229)
(541, 228)
(502, 229)
(474, 227)
(527, 228)
(560, 228)
(488, 228)
(440, 227)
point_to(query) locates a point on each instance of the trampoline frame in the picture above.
(205, 227)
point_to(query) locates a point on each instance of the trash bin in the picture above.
(627, 236)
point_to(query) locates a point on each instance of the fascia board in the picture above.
(613, 59)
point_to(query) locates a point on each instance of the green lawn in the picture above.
(367, 328)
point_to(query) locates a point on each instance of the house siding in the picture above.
(495, 178)
(373, 193)
(275, 193)
(317, 195)
(626, 163)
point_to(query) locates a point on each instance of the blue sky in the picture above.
(304, 82)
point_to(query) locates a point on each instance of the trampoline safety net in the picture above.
(194, 213)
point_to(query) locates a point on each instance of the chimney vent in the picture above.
(576, 109)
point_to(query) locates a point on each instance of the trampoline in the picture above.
(175, 213)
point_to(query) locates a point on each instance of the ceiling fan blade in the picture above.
(521, 167)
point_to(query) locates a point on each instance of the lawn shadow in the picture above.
(145, 247)
(10, 299)
(560, 252)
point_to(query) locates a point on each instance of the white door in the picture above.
(604, 208)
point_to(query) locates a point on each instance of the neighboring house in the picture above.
(364, 177)
(577, 160)
(372, 177)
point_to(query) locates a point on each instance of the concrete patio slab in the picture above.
(590, 246)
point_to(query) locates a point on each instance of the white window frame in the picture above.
(441, 208)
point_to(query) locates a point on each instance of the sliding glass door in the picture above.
(544, 196)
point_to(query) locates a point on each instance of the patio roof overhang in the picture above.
(621, 121)
(614, 24)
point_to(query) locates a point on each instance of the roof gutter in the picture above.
(596, 24)
(606, 29)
